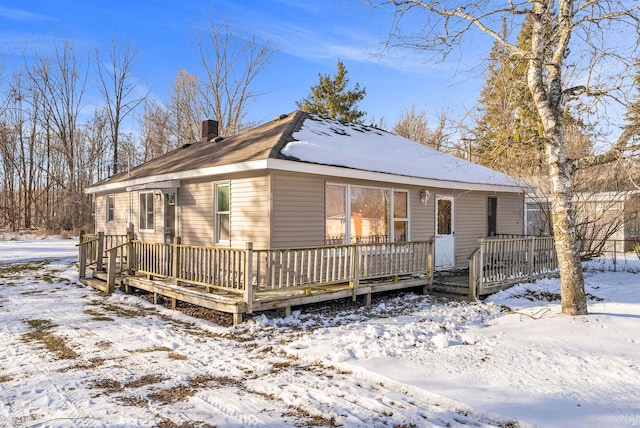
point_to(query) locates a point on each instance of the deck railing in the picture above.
(499, 262)
(94, 249)
(314, 266)
(247, 271)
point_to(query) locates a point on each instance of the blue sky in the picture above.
(309, 35)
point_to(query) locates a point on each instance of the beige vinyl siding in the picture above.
(297, 210)
(195, 213)
(510, 213)
(121, 210)
(470, 211)
(250, 212)
(422, 220)
(470, 217)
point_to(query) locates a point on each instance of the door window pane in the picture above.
(444, 217)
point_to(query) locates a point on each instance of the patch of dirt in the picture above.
(144, 381)
(55, 344)
(173, 395)
(168, 423)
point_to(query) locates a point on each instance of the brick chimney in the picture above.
(209, 130)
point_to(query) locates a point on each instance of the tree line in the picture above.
(53, 144)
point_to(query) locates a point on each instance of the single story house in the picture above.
(303, 180)
(605, 221)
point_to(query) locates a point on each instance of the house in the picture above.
(303, 180)
(605, 221)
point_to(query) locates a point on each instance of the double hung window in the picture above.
(146, 214)
(222, 210)
(111, 199)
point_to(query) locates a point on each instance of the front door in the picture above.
(444, 233)
(169, 217)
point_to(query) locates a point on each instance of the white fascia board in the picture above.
(172, 184)
(301, 167)
(342, 172)
(151, 181)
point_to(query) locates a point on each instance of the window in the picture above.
(369, 210)
(400, 216)
(369, 214)
(492, 216)
(111, 199)
(146, 214)
(223, 225)
(335, 210)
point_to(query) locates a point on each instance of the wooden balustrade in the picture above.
(248, 272)
(503, 261)
(304, 267)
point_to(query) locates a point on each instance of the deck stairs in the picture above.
(453, 284)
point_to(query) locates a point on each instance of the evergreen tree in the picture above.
(330, 97)
(509, 130)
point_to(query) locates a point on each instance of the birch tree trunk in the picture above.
(544, 78)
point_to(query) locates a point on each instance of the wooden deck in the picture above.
(243, 281)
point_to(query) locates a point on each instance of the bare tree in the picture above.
(60, 82)
(231, 64)
(155, 131)
(564, 33)
(186, 108)
(414, 125)
(122, 92)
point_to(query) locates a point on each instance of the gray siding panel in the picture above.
(250, 212)
(298, 210)
(195, 213)
(471, 210)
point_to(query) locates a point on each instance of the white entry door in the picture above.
(444, 233)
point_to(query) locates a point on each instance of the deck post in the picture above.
(472, 279)
(176, 259)
(237, 318)
(82, 256)
(532, 249)
(131, 264)
(248, 277)
(100, 249)
(355, 269)
(430, 269)
(111, 270)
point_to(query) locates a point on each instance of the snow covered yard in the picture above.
(72, 357)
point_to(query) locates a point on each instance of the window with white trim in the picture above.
(111, 200)
(370, 214)
(400, 216)
(146, 214)
(222, 210)
(335, 209)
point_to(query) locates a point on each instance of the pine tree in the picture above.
(330, 97)
(509, 130)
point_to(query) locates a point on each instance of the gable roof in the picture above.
(313, 144)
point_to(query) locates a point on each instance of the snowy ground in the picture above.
(73, 357)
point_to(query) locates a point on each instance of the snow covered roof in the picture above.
(312, 144)
(330, 142)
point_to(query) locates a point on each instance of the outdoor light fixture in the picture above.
(424, 196)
